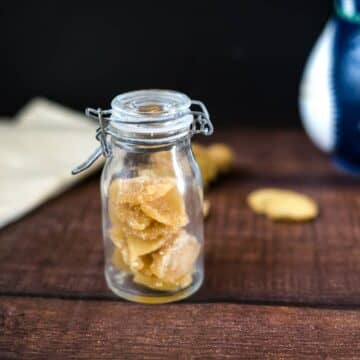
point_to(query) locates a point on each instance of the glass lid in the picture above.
(150, 105)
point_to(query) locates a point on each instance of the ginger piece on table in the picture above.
(280, 204)
(213, 160)
(222, 156)
(176, 258)
(207, 167)
(206, 208)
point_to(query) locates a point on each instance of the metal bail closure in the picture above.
(202, 123)
(104, 149)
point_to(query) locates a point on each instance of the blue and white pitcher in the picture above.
(330, 88)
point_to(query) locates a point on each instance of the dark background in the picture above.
(243, 58)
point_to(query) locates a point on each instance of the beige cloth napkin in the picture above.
(37, 152)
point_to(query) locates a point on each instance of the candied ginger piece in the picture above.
(138, 248)
(113, 212)
(168, 209)
(117, 237)
(136, 218)
(119, 261)
(139, 189)
(130, 215)
(146, 261)
(176, 258)
(125, 191)
(151, 233)
(132, 249)
(153, 282)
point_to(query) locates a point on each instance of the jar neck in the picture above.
(180, 144)
(147, 137)
(153, 133)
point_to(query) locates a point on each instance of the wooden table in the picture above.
(272, 290)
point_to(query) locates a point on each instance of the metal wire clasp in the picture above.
(202, 123)
(101, 133)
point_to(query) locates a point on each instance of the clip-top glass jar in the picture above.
(151, 194)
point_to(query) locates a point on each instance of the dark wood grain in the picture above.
(63, 329)
(57, 250)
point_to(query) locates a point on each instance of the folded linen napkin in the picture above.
(37, 152)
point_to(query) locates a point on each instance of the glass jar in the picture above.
(151, 195)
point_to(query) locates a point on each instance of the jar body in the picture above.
(152, 221)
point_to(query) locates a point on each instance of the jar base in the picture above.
(116, 284)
